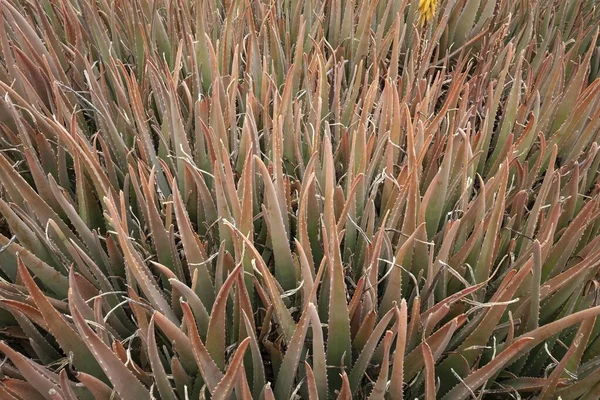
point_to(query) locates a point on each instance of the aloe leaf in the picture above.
(96, 387)
(284, 264)
(258, 370)
(378, 392)
(160, 235)
(195, 254)
(200, 313)
(487, 254)
(65, 335)
(39, 376)
(289, 366)
(160, 375)
(434, 200)
(361, 364)
(181, 379)
(480, 336)
(53, 279)
(319, 365)
(574, 88)
(24, 234)
(579, 341)
(267, 393)
(413, 362)
(345, 393)
(282, 313)
(313, 394)
(43, 349)
(338, 339)
(75, 219)
(243, 387)
(396, 390)
(225, 386)
(582, 387)
(286, 177)
(210, 371)
(22, 389)
(11, 394)
(480, 377)
(546, 331)
(393, 292)
(125, 383)
(430, 391)
(215, 337)
(181, 343)
(28, 311)
(247, 215)
(137, 267)
(66, 386)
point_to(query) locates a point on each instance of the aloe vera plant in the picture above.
(299, 199)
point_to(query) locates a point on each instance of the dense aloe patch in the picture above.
(299, 199)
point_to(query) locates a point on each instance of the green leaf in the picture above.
(42, 379)
(125, 383)
(158, 370)
(68, 339)
(378, 392)
(225, 386)
(210, 371)
(285, 270)
(361, 364)
(478, 378)
(216, 335)
(289, 366)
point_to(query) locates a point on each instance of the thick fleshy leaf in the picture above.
(281, 311)
(66, 336)
(225, 386)
(66, 386)
(137, 267)
(284, 264)
(345, 393)
(305, 178)
(210, 371)
(17, 389)
(430, 392)
(258, 370)
(97, 388)
(125, 383)
(338, 338)
(158, 370)
(181, 343)
(480, 377)
(194, 251)
(361, 364)
(42, 379)
(195, 303)
(289, 366)
(378, 392)
(215, 337)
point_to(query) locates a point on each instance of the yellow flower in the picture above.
(426, 10)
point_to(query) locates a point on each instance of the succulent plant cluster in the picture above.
(314, 199)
